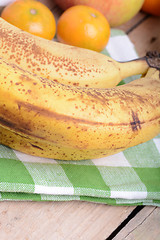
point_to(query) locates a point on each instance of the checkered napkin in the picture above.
(131, 177)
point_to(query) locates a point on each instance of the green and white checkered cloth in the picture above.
(131, 177)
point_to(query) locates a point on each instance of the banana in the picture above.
(63, 63)
(48, 119)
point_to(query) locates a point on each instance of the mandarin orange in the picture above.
(84, 27)
(31, 16)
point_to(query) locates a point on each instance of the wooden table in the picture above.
(84, 220)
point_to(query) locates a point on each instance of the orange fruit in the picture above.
(31, 16)
(84, 27)
(152, 7)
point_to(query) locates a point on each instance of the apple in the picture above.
(117, 12)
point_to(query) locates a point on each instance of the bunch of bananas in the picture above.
(62, 102)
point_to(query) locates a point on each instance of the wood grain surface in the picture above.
(144, 226)
(59, 220)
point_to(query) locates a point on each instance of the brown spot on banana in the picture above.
(135, 124)
(35, 146)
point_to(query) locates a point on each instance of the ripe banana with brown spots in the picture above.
(44, 118)
(63, 63)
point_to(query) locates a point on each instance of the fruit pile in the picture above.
(83, 118)
(85, 24)
(63, 102)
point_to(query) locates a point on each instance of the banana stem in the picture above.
(134, 67)
(140, 65)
